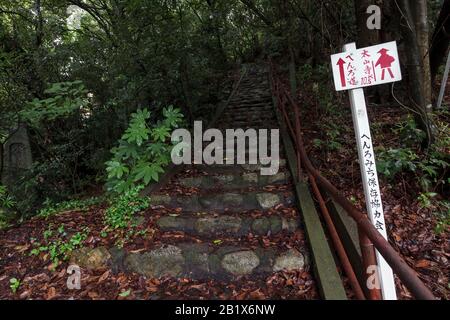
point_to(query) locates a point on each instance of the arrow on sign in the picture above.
(341, 63)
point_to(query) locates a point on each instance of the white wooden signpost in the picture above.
(354, 69)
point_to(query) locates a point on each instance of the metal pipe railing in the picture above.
(346, 265)
(406, 274)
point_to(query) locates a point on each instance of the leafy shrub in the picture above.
(143, 151)
(305, 73)
(443, 216)
(393, 161)
(333, 140)
(430, 169)
(119, 216)
(62, 145)
(14, 284)
(7, 203)
(6, 200)
(80, 205)
(408, 132)
(123, 208)
(65, 98)
(62, 246)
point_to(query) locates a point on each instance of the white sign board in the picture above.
(366, 67)
(360, 76)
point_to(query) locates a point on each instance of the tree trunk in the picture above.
(366, 37)
(292, 71)
(415, 71)
(215, 26)
(287, 29)
(185, 70)
(421, 26)
(440, 40)
(39, 23)
(187, 91)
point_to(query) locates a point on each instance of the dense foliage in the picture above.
(93, 76)
(142, 152)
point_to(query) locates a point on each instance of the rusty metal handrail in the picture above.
(406, 274)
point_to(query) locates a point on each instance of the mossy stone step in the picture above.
(234, 181)
(233, 202)
(257, 116)
(207, 225)
(234, 168)
(195, 260)
(268, 126)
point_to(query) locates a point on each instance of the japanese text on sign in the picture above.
(366, 66)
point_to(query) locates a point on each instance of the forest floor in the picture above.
(411, 227)
(411, 232)
(40, 280)
(27, 250)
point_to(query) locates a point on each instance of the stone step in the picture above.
(224, 202)
(246, 111)
(255, 82)
(235, 181)
(252, 88)
(248, 116)
(251, 100)
(248, 155)
(232, 140)
(247, 96)
(261, 113)
(213, 226)
(259, 123)
(230, 119)
(248, 149)
(194, 260)
(268, 126)
(249, 124)
(234, 168)
(269, 168)
(257, 113)
(255, 104)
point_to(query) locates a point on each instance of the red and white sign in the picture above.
(352, 70)
(366, 67)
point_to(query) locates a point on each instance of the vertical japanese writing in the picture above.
(351, 70)
(373, 190)
(368, 68)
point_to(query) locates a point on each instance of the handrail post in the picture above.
(372, 281)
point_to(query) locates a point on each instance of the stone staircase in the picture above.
(227, 221)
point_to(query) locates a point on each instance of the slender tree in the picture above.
(366, 36)
(420, 14)
(415, 68)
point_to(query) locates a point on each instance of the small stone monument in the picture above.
(16, 154)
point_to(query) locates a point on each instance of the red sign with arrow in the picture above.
(366, 67)
(341, 63)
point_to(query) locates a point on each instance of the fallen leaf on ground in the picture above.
(51, 293)
(422, 263)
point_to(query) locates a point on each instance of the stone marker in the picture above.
(16, 155)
